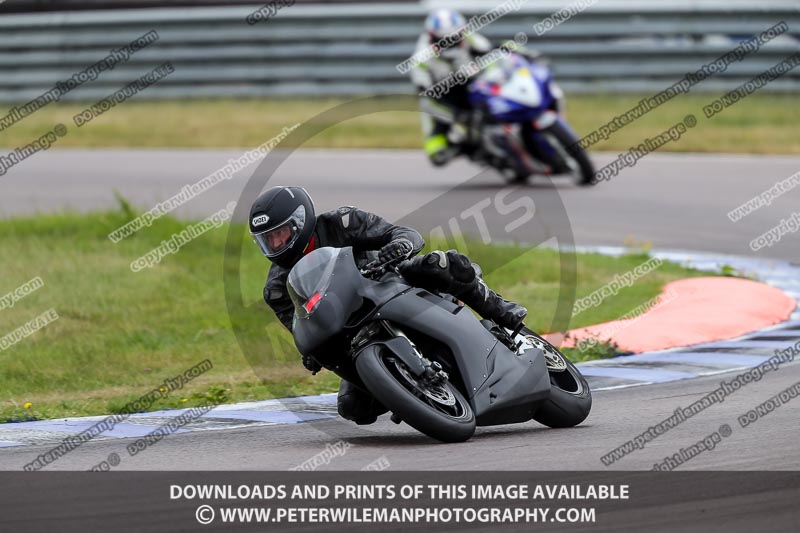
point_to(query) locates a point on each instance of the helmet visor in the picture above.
(279, 238)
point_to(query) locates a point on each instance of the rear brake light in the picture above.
(312, 302)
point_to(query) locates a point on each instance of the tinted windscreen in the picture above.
(311, 274)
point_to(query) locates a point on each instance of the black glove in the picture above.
(395, 250)
(311, 364)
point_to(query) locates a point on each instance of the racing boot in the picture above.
(441, 157)
(469, 287)
(491, 305)
(358, 405)
(455, 274)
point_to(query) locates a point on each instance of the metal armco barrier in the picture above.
(352, 49)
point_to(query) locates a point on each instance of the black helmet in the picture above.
(282, 221)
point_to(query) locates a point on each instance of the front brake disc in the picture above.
(440, 393)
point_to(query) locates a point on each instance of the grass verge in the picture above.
(761, 124)
(120, 333)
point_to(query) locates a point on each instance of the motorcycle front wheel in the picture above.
(581, 165)
(439, 411)
(570, 157)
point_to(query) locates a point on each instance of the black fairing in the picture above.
(345, 305)
(502, 387)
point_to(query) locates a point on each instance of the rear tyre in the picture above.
(440, 411)
(570, 398)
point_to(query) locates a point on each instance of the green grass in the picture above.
(762, 123)
(120, 334)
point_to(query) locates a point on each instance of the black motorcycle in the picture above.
(425, 356)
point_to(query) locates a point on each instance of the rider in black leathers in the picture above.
(284, 225)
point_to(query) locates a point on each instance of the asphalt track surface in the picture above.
(770, 443)
(673, 201)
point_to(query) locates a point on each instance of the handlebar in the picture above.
(375, 267)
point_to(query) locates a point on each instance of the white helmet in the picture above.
(445, 28)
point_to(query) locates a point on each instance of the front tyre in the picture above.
(439, 411)
(570, 398)
(580, 163)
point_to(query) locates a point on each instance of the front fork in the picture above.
(508, 143)
(433, 372)
(503, 142)
(427, 371)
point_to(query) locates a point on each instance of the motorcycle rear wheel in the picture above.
(570, 397)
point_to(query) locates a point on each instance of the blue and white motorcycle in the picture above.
(518, 124)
